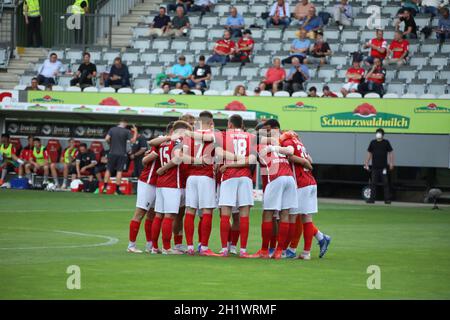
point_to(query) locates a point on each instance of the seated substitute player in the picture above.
(9, 159)
(170, 187)
(84, 164)
(67, 162)
(145, 202)
(279, 187)
(39, 161)
(26, 154)
(301, 163)
(236, 188)
(102, 165)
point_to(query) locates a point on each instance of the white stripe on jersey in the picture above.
(178, 177)
(151, 172)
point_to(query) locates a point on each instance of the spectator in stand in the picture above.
(375, 78)
(67, 162)
(186, 89)
(50, 69)
(320, 51)
(244, 47)
(235, 23)
(84, 164)
(343, 13)
(118, 77)
(257, 92)
(34, 85)
(274, 77)
(179, 72)
(240, 91)
(410, 30)
(100, 168)
(201, 74)
(179, 25)
(432, 6)
(223, 49)
(297, 75)
(410, 5)
(327, 93)
(203, 5)
(33, 20)
(26, 154)
(86, 73)
(138, 149)
(166, 88)
(299, 48)
(354, 75)
(279, 15)
(160, 23)
(397, 51)
(311, 23)
(443, 30)
(185, 4)
(378, 47)
(301, 9)
(312, 92)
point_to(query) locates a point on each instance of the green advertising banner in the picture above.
(301, 114)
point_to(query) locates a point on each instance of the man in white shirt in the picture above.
(280, 14)
(432, 6)
(49, 70)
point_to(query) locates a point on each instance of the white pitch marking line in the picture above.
(111, 241)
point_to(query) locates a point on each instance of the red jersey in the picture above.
(352, 70)
(173, 177)
(398, 48)
(273, 165)
(302, 176)
(240, 143)
(148, 174)
(202, 149)
(378, 71)
(379, 43)
(26, 153)
(245, 43)
(225, 46)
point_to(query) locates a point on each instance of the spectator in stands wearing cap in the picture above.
(235, 23)
(201, 74)
(378, 47)
(223, 49)
(274, 77)
(354, 75)
(203, 5)
(240, 91)
(397, 51)
(179, 25)
(443, 30)
(185, 4)
(311, 23)
(186, 89)
(410, 30)
(432, 6)
(160, 23)
(179, 72)
(118, 77)
(320, 51)
(312, 92)
(343, 13)
(85, 74)
(299, 47)
(50, 69)
(375, 78)
(302, 8)
(411, 6)
(327, 93)
(244, 47)
(34, 85)
(280, 14)
(297, 75)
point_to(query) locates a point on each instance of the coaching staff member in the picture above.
(117, 138)
(382, 155)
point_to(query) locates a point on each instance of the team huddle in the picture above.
(194, 169)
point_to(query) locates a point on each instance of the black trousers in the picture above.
(34, 32)
(370, 86)
(376, 176)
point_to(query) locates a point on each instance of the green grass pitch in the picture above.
(411, 245)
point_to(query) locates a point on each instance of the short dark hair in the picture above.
(118, 59)
(205, 116)
(5, 135)
(162, 7)
(202, 58)
(169, 126)
(86, 54)
(312, 89)
(326, 88)
(380, 130)
(83, 145)
(237, 121)
(36, 139)
(53, 54)
(273, 124)
(34, 79)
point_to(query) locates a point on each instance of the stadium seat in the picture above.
(272, 33)
(445, 48)
(211, 93)
(258, 8)
(372, 95)
(332, 33)
(142, 82)
(290, 34)
(444, 96)
(439, 60)
(198, 44)
(125, 90)
(265, 93)
(419, 59)
(197, 92)
(157, 91)
(57, 88)
(209, 20)
(428, 73)
(339, 59)
(299, 94)
(97, 148)
(422, 20)
(130, 56)
(427, 96)
(444, 74)
(54, 150)
(107, 90)
(197, 32)
(22, 87)
(437, 86)
(155, 68)
(257, 34)
(429, 46)
(349, 33)
(142, 43)
(233, 82)
(168, 57)
(395, 86)
(110, 55)
(406, 72)
(73, 89)
(408, 96)
(262, 58)
(149, 56)
(336, 84)
(250, 70)
(231, 70)
(142, 91)
(350, 46)
(391, 96)
(175, 91)
(227, 93)
(179, 45)
(74, 55)
(354, 95)
(281, 94)
(327, 72)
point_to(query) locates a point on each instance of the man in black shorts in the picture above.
(117, 138)
(84, 164)
(101, 166)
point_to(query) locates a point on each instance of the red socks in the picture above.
(283, 234)
(206, 226)
(199, 230)
(273, 240)
(308, 234)
(167, 232)
(178, 239)
(297, 234)
(224, 230)
(156, 229)
(234, 237)
(134, 229)
(148, 229)
(266, 233)
(244, 227)
(291, 234)
(189, 227)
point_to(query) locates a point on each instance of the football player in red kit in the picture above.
(301, 163)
